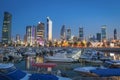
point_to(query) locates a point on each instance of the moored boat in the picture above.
(9, 72)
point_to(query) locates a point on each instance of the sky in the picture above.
(89, 14)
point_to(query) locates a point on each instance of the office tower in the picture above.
(40, 33)
(81, 35)
(98, 37)
(103, 32)
(115, 34)
(63, 33)
(30, 34)
(6, 29)
(68, 34)
(49, 29)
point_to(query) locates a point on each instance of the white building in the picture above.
(49, 29)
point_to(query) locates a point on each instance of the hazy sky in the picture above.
(89, 14)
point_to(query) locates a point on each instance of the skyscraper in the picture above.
(40, 33)
(6, 29)
(115, 34)
(63, 33)
(98, 37)
(30, 35)
(103, 32)
(49, 29)
(68, 34)
(81, 36)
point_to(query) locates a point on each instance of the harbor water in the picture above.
(65, 68)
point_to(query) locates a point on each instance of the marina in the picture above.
(60, 40)
(38, 63)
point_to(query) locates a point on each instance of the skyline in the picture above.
(89, 14)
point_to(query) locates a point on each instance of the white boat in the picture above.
(30, 52)
(9, 72)
(63, 56)
(93, 56)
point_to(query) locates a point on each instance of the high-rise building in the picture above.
(81, 35)
(103, 32)
(68, 34)
(30, 34)
(49, 29)
(6, 29)
(98, 37)
(40, 33)
(63, 33)
(115, 34)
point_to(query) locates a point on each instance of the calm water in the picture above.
(66, 68)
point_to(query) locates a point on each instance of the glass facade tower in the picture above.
(6, 29)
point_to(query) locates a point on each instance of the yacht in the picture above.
(93, 56)
(9, 72)
(64, 56)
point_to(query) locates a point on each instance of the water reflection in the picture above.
(65, 68)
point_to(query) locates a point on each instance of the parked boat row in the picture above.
(54, 54)
(102, 71)
(93, 56)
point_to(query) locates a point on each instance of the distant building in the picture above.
(30, 34)
(91, 38)
(68, 34)
(98, 37)
(63, 33)
(18, 38)
(49, 29)
(81, 35)
(6, 29)
(40, 33)
(25, 38)
(115, 34)
(103, 32)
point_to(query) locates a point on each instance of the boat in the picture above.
(108, 65)
(112, 64)
(30, 52)
(110, 72)
(86, 71)
(63, 56)
(9, 72)
(93, 56)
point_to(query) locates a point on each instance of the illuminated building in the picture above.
(40, 33)
(68, 33)
(63, 33)
(6, 29)
(30, 34)
(103, 32)
(49, 29)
